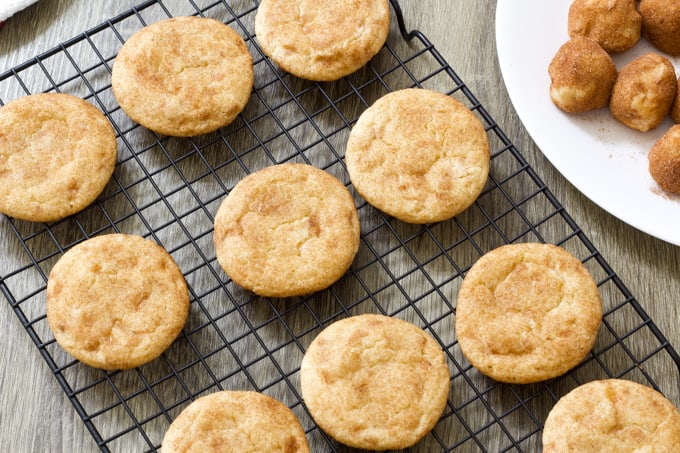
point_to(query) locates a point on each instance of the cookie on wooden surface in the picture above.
(418, 155)
(116, 301)
(235, 421)
(322, 40)
(57, 153)
(287, 230)
(612, 415)
(527, 312)
(375, 382)
(183, 76)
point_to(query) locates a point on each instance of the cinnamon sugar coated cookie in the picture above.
(644, 91)
(116, 301)
(235, 421)
(418, 155)
(612, 415)
(183, 76)
(614, 24)
(375, 382)
(664, 160)
(322, 40)
(661, 24)
(57, 153)
(582, 75)
(527, 312)
(287, 230)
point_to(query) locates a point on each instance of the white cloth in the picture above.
(9, 7)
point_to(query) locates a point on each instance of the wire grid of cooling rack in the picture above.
(168, 189)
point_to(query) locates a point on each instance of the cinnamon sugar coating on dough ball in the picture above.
(661, 24)
(582, 75)
(664, 160)
(614, 24)
(675, 107)
(644, 92)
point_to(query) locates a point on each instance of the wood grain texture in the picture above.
(39, 417)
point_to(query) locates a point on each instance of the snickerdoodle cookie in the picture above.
(183, 76)
(418, 155)
(375, 382)
(235, 421)
(582, 76)
(57, 153)
(612, 415)
(527, 312)
(614, 24)
(643, 94)
(287, 230)
(322, 40)
(116, 301)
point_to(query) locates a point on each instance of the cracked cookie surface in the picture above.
(375, 382)
(612, 415)
(418, 155)
(527, 312)
(287, 230)
(57, 153)
(322, 40)
(183, 76)
(116, 301)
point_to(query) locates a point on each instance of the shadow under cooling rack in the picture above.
(169, 189)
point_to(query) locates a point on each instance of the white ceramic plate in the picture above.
(601, 157)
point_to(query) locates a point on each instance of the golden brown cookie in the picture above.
(418, 155)
(612, 415)
(527, 312)
(661, 24)
(287, 230)
(582, 75)
(183, 76)
(235, 421)
(322, 40)
(116, 301)
(644, 91)
(57, 153)
(375, 382)
(615, 24)
(664, 160)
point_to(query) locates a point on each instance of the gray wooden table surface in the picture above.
(36, 416)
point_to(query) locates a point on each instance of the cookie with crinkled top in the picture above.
(527, 312)
(287, 230)
(418, 155)
(116, 301)
(183, 76)
(237, 421)
(322, 40)
(375, 382)
(612, 415)
(57, 153)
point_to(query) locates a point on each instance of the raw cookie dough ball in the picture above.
(582, 75)
(661, 24)
(664, 160)
(644, 92)
(614, 24)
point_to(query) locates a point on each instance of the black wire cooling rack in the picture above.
(168, 189)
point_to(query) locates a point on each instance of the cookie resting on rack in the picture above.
(375, 382)
(116, 301)
(183, 76)
(527, 312)
(235, 421)
(612, 415)
(322, 40)
(418, 155)
(57, 153)
(287, 230)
